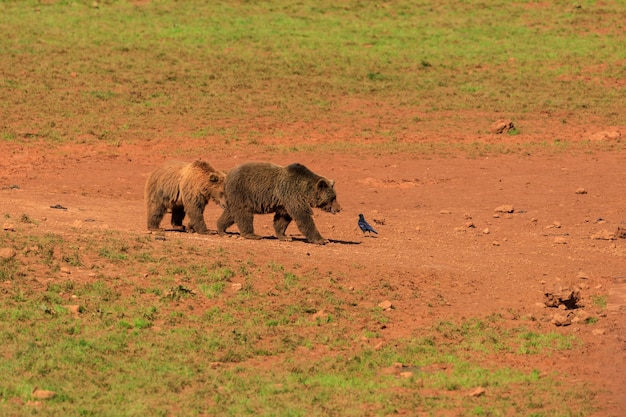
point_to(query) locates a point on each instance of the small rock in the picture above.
(507, 208)
(581, 191)
(501, 126)
(65, 270)
(495, 243)
(564, 297)
(406, 374)
(73, 309)
(598, 332)
(581, 317)
(562, 319)
(477, 392)
(394, 369)
(603, 235)
(237, 286)
(606, 136)
(470, 225)
(582, 275)
(8, 227)
(385, 305)
(445, 212)
(559, 240)
(621, 232)
(322, 315)
(42, 394)
(459, 229)
(486, 231)
(6, 253)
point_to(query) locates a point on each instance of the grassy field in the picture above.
(113, 70)
(145, 334)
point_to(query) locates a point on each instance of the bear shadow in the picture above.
(298, 239)
(173, 230)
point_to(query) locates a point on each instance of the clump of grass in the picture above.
(600, 301)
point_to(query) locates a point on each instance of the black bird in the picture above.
(365, 226)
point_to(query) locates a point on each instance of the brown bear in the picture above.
(183, 188)
(290, 192)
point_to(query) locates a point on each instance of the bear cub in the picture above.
(183, 188)
(290, 192)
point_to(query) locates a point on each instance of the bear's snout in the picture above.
(334, 207)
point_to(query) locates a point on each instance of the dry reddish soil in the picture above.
(442, 251)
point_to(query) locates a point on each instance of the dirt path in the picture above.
(442, 250)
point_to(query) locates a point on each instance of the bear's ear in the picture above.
(322, 183)
(214, 178)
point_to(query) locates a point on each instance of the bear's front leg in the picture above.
(281, 221)
(245, 223)
(178, 214)
(307, 227)
(196, 220)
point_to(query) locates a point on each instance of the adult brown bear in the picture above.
(183, 188)
(290, 192)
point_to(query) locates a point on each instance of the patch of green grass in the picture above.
(600, 301)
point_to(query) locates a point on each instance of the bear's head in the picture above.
(216, 188)
(211, 180)
(325, 196)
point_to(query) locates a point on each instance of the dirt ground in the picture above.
(442, 251)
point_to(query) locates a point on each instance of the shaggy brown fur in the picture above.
(289, 192)
(183, 188)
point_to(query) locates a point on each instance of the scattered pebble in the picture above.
(486, 230)
(6, 253)
(603, 235)
(507, 208)
(477, 392)
(385, 305)
(73, 309)
(501, 126)
(42, 394)
(581, 191)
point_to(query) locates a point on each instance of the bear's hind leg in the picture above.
(224, 222)
(155, 215)
(281, 221)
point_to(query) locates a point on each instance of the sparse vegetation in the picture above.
(152, 351)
